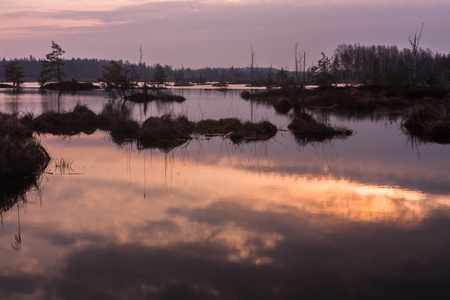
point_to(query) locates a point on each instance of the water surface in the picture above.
(361, 218)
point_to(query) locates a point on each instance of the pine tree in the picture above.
(13, 73)
(51, 67)
(159, 77)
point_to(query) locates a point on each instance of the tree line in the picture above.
(349, 63)
(360, 63)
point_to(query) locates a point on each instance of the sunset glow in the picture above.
(164, 27)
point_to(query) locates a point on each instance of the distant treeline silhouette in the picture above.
(350, 63)
(358, 63)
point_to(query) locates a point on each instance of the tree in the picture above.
(323, 67)
(298, 59)
(159, 77)
(13, 73)
(51, 67)
(414, 41)
(282, 77)
(252, 64)
(115, 80)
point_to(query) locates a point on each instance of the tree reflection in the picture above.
(17, 237)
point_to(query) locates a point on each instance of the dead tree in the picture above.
(414, 41)
(252, 64)
(298, 59)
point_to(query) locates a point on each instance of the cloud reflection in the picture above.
(220, 226)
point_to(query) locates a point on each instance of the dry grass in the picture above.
(80, 120)
(22, 161)
(165, 132)
(428, 124)
(218, 127)
(307, 129)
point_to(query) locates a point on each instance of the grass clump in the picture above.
(21, 158)
(22, 161)
(13, 126)
(428, 124)
(250, 132)
(222, 126)
(307, 129)
(165, 132)
(81, 119)
(236, 130)
(282, 106)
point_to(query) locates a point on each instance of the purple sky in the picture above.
(216, 33)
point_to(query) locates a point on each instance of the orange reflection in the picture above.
(121, 196)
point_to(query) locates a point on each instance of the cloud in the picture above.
(218, 33)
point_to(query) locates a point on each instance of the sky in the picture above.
(216, 33)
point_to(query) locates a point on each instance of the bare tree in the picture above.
(414, 41)
(298, 59)
(252, 64)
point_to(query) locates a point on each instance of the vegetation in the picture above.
(70, 86)
(165, 132)
(307, 129)
(13, 73)
(81, 119)
(116, 80)
(51, 67)
(22, 160)
(236, 130)
(323, 77)
(392, 93)
(159, 77)
(348, 63)
(428, 124)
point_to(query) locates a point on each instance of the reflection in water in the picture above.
(362, 218)
(17, 237)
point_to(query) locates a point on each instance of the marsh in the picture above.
(365, 216)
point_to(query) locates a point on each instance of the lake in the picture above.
(366, 217)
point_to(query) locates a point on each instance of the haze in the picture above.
(215, 33)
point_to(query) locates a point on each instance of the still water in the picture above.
(367, 217)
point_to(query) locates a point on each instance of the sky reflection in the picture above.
(366, 217)
(201, 224)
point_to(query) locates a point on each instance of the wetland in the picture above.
(111, 214)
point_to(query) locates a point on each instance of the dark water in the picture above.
(363, 218)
